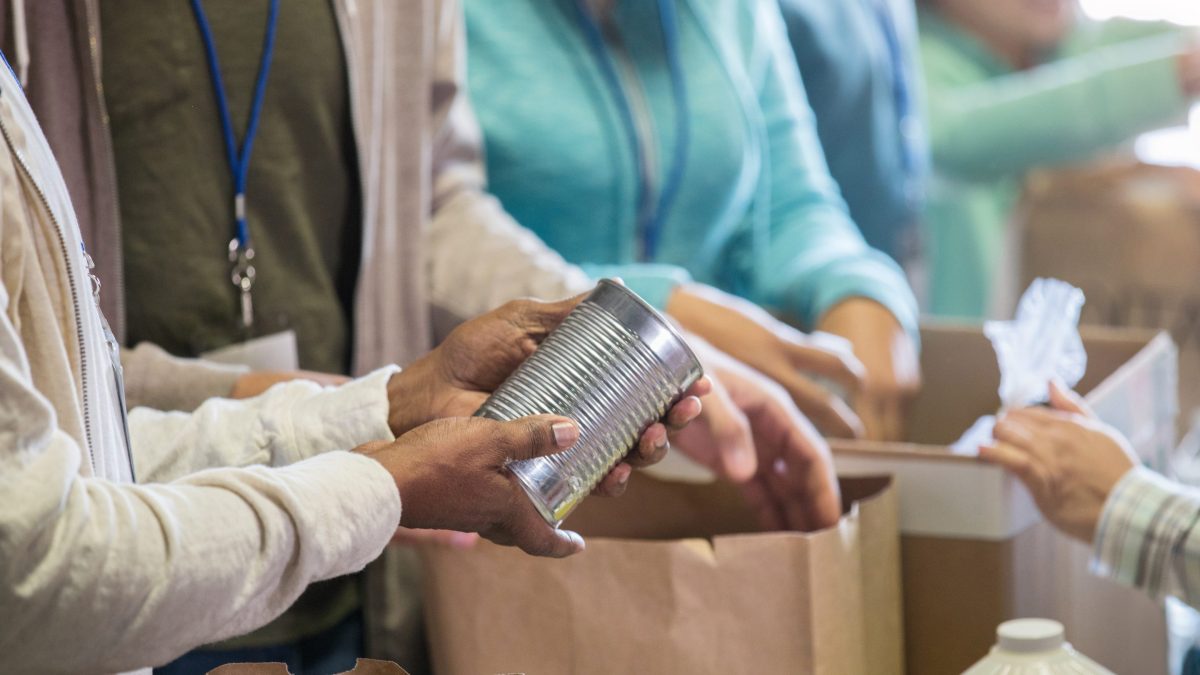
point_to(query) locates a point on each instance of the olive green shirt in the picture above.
(176, 195)
(176, 186)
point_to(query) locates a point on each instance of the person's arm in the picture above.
(290, 422)
(132, 575)
(1058, 112)
(478, 256)
(159, 380)
(809, 259)
(812, 257)
(1087, 482)
(1148, 536)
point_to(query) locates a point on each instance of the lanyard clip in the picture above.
(242, 276)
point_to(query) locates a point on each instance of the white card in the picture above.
(277, 351)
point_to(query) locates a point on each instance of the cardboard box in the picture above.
(1129, 235)
(974, 550)
(676, 580)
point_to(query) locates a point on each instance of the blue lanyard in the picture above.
(10, 68)
(901, 91)
(241, 253)
(239, 161)
(650, 228)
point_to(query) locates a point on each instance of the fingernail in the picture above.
(565, 434)
(661, 443)
(463, 540)
(624, 480)
(745, 462)
(577, 540)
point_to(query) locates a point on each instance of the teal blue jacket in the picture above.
(757, 213)
(859, 62)
(989, 124)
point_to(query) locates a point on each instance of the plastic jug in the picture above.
(1034, 647)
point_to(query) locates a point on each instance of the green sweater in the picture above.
(989, 124)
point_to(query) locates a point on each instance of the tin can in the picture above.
(615, 366)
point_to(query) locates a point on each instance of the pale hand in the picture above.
(893, 370)
(752, 433)
(787, 356)
(1068, 460)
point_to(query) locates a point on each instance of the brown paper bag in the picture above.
(676, 580)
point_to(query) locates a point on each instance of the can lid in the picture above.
(654, 330)
(1030, 635)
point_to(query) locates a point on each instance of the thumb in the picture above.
(538, 435)
(1062, 398)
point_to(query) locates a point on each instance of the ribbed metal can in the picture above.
(615, 366)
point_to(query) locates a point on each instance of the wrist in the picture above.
(410, 395)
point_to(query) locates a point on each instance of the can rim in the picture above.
(682, 362)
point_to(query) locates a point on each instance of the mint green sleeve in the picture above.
(1059, 112)
(652, 281)
(810, 255)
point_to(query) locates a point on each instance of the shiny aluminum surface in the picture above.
(615, 366)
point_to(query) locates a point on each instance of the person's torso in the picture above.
(176, 195)
(560, 153)
(858, 62)
(964, 219)
(176, 186)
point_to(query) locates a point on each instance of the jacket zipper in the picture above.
(62, 242)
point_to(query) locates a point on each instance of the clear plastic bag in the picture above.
(1041, 344)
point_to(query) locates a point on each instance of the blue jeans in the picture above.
(332, 651)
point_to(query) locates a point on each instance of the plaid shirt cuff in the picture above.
(1147, 535)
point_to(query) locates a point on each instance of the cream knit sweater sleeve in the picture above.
(97, 576)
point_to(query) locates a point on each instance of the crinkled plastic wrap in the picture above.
(1041, 344)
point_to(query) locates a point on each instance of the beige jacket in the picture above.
(98, 574)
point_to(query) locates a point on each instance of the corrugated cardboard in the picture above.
(676, 580)
(1129, 236)
(974, 552)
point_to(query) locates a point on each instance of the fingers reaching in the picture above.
(838, 365)
(826, 409)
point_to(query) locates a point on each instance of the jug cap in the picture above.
(1025, 636)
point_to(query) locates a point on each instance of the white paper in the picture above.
(276, 352)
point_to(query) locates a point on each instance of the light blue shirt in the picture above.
(757, 213)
